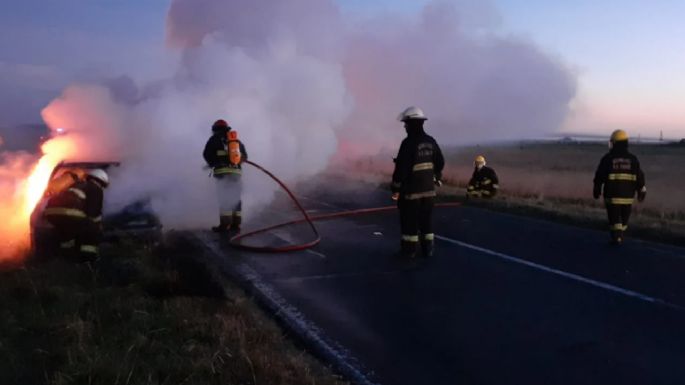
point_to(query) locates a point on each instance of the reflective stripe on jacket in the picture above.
(82, 200)
(216, 156)
(484, 183)
(418, 165)
(619, 176)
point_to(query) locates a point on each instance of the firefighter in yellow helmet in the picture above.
(76, 214)
(224, 153)
(484, 182)
(418, 169)
(619, 178)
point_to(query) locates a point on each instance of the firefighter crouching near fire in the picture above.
(76, 214)
(418, 169)
(484, 182)
(224, 153)
(64, 181)
(619, 177)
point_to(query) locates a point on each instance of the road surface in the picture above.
(505, 300)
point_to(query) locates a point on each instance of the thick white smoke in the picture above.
(300, 82)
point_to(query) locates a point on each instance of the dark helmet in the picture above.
(220, 125)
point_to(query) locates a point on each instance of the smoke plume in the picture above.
(302, 82)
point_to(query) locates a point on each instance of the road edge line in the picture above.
(291, 318)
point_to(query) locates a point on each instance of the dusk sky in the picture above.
(628, 55)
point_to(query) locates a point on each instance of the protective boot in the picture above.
(616, 238)
(237, 220)
(88, 253)
(67, 249)
(224, 224)
(427, 248)
(408, 249)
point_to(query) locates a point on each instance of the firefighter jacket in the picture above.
(62, 182)
(216, 156)
(484, 183)
(619, 177)
(418, 166)
(83, 200)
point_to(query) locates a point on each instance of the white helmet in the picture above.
(100, 175)
(412, 113)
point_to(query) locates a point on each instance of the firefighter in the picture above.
(225, 156)
(76, 214)
(64, 181)
(418, 169)
(484, 182)
(619, 178)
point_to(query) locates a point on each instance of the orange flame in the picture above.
(22, 188)
(54, 151)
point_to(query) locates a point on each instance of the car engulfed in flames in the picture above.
(136, 219)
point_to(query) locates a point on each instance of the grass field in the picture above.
(141, 315)
(555, 180)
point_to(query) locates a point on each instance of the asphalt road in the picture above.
(505, 299)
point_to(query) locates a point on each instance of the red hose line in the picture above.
(307, 218)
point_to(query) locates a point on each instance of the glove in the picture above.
(395, 196)
(642, 194)
(596, 192)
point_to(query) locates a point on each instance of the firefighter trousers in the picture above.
(416, 222)
(229, 190)
(78, 238)
(618, 219)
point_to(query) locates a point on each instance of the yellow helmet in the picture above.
(480, 159)
(619, 136)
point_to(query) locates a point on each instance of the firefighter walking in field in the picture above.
(619, 178)
(76, 214)
(224, 153)
(418, 169)
(484, 182)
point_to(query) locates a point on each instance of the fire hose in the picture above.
(235, 241)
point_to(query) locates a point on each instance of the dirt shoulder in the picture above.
(143, 314)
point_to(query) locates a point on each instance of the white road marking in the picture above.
(310, 251)
(575, 277)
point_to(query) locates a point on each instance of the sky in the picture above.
(628, 55)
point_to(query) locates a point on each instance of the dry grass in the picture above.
(144, 316)
(555, 180)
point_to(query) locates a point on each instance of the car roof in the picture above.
(88, 164)
(83, 165)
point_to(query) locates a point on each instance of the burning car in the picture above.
(136, 218)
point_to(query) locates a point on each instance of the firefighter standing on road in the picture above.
(76, 214)
(225, 154)
(484, 182)
(619, 177)
(418, 169)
